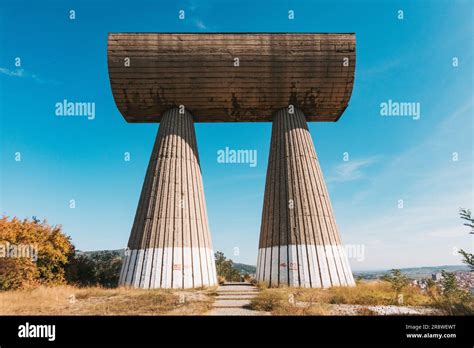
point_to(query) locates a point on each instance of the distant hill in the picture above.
(119, 252)
(245, 269)
(413, 272)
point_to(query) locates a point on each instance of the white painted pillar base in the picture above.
(309, 266)
(163, 268)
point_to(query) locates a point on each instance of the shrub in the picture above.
(397, 279)
(269, 300)
(99, 268)
(452, 299)
(17, 273)
(52, 249)
(225, 268)
(80, 270)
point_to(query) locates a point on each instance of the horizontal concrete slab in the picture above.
(231, 77)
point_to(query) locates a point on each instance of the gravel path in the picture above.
(233, 299)
(345, 309)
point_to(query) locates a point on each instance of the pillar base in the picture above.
(161, 268)
(308, 266)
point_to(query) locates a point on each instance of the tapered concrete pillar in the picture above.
(170, 244)
(299, 241)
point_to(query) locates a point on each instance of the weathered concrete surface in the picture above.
(170, 244)
(299, 240)
(234, 298)
(151, 72)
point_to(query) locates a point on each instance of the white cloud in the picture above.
(380, 67)
(17, 72)
(350, 170)
(200, 24)
(24, 74)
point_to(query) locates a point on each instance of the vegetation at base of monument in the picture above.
(449, 297)
(40, 286)
(225, 269)
(285, 300)
(468, 258)
(99, 268)
(397, 279)
(57, 260)
(53, 248)
(281, 302)
(72, 300)
(446, 296)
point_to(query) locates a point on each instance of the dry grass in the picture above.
(301, 301)
(278, 302)
(366, 293)
(70, 300)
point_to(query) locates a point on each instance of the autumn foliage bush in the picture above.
(54, 249)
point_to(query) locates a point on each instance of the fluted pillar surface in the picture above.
(299, 240)
(170, 244)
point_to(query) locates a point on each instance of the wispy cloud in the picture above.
(200, 24)
(351, 170)
(197, 10)
(16, 72)
(22, 73)
(381, 67)
(427, 230)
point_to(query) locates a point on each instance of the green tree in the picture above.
(107, 268)
(468, 258)
(98, 268)
(466, 215)
(225, 268)
(397, 279)
(80, 270)
(455, 300)
(221, 263)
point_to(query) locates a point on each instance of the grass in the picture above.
(306, 301)
(70, 300)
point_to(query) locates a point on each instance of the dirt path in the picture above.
(233, 299)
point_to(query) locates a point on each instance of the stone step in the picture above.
(234, 287)
(232, 297)
(237, 292)
(230, 303)
(242, 290)
(235, 311)
(237, 284)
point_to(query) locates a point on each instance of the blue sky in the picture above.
(390, 158)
